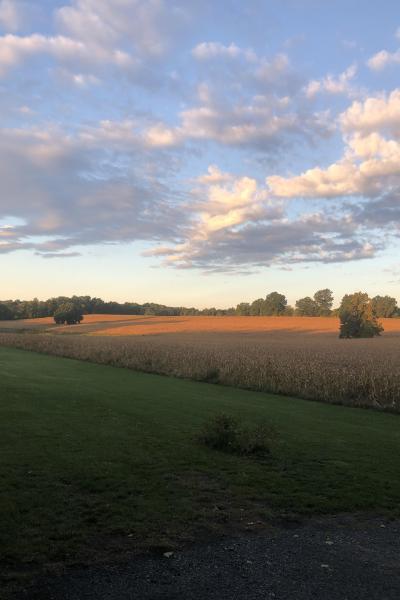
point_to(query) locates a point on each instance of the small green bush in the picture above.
(211, 376)
(223, 432)
(220, 433)
(256, 440)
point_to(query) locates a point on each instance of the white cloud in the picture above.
(251, 123)
(114, 177)
(225, 203)
(130, 134)
(161, 136)
(339, 179)
(213, 50)
(237, 223)
(379, 171)
(383, 59)
(332, 85)
(96, 186)
(247, 100)
(15, 50)
(73, 190)
(214, 176)
(264, 123)
(372, 145)
(374, 114)
(126, 35)
(371, 161)
(147, 26)
(244, 64)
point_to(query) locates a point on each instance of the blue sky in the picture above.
(199, 153)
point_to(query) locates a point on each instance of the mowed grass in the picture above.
(96, 461)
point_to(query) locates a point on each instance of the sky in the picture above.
(199, 153)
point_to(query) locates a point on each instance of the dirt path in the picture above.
(334, 559)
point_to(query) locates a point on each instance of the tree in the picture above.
(306, 307)
(243, 309)
(324, 301)
(257, 307)
(68, 313)
(275, 304)
(6, 313)
(357, 317)
(384, 306)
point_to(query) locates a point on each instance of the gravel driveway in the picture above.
(336, 558)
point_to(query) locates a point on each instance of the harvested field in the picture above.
(127, 325)
(300, 357)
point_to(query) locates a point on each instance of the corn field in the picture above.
(364, 373)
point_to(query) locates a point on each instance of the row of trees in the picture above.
(32, 309)
(320, 305)
(358, 318)
(274, 304)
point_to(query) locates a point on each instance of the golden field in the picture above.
(127, 325)
(295, 356)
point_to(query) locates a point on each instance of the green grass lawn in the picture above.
(96, 459)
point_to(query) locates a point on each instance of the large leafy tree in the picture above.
(257, 307)
(357, 317)
(384, 306)
(324, 301)
(6, 313)
(306, 307)
(275, 304)
(69, 314)
(243, 309)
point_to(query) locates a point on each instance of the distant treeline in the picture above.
(320, 305)
(32, 309)
(274, 304)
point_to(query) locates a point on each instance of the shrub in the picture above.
(256, 440)
(220, 433)
(211, 376)
(223, 432)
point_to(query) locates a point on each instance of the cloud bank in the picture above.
(120, 125)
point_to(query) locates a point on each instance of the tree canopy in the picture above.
(69, 314)
(357, 317)
(384, 306)
(324, 301)
(275, 304)
(319, 306)
(6, 313)
(306, 307)
(31, 309)
(243, 309)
